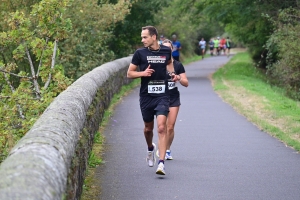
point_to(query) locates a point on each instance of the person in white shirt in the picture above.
(202, 45)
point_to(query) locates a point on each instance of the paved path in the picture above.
(218, 154)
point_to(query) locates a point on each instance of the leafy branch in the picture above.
(16, 75)
(31, 38)
(21, 115)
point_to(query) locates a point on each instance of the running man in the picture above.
(177, 47)
(223, 45)
(174, 99)
(228, 46)
(211, 47)
(152, 61)
(217, 46)
(202, 45)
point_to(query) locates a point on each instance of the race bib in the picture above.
(171, 85)
(156, 86)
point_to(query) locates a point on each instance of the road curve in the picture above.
(218, 154)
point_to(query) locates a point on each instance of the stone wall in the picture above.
(49, 162)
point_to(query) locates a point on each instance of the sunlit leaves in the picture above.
(49, 17)
(31, 36)
(87, 44)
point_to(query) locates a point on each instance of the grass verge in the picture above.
(247, 90)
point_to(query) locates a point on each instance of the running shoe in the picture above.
(168, 155)
(151, 157)
(161, 169)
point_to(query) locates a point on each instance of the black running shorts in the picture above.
(175, 101)
(151, 106)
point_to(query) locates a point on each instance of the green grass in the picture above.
(94, 161)
(240, 74)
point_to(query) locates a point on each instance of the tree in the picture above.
(87, 44)
(283, 52)
(246, 21)
(187, 21)
(127, 33)
(35, 37)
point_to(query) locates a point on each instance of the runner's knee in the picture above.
(170, 128)
(161, 129)
(148, 130)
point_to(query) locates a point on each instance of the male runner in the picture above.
(177, 48)
(202, 45)
(152, 61)
(217, 45)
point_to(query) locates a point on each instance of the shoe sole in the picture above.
(160, 172)
(169, 158)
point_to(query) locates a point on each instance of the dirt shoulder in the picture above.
(254, 108)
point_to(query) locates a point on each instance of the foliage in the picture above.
(127, 33)
(87, 44)
(243, 20)
(39, 45)
(188, 22)
(93, 161)
(6, 7)
(283, 55)
(26, 93)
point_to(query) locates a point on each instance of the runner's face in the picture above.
(167, 44)
(147, 39)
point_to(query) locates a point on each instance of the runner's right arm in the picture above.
(132, 73)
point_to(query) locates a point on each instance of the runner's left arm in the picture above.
(183, 80)
(171, 70)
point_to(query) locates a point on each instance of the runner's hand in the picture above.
(148, 71)
(174, 77)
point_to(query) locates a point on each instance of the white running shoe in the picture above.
(168, 155)
(151, 157)
(161, 169)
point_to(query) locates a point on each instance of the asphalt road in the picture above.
(217, 153)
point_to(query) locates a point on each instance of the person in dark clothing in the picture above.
(152, 61)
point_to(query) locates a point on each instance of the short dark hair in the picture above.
(152, 30)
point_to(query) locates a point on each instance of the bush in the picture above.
(285, 43)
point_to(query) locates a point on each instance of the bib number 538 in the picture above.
(156, 87)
